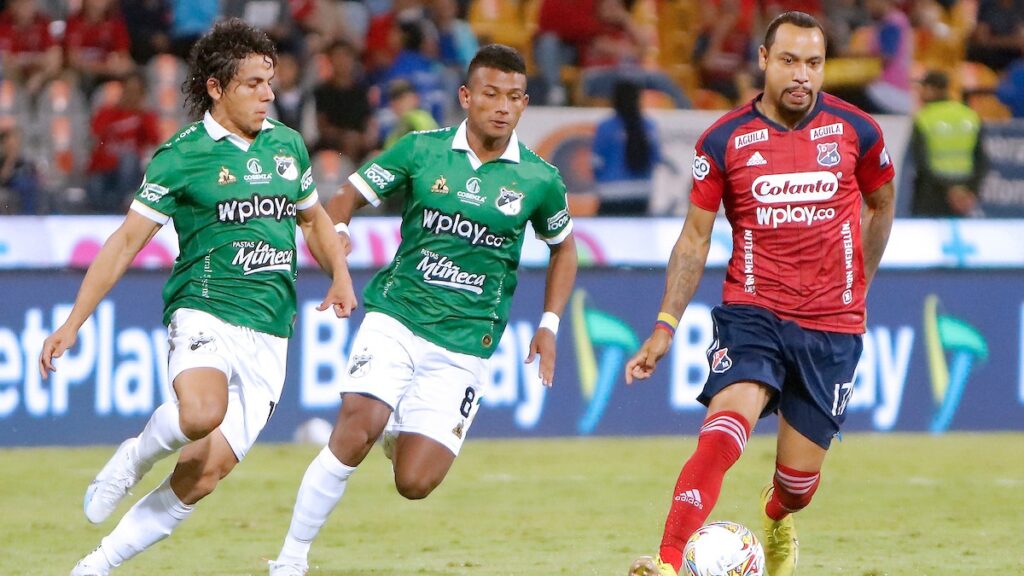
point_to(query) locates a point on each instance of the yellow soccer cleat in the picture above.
(647, 566)
(781, 547)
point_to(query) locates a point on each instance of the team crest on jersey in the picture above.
(459, 429)
(828, 154)
(225, 176)
(720, 361)
(509, 201)
(440, 186)
(286, 168)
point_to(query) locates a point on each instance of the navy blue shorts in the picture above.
(811, 370)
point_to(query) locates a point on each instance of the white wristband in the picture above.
(549, 320)
(342, 227)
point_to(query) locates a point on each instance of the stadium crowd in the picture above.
(90, 87)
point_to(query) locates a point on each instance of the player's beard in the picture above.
(799, 109)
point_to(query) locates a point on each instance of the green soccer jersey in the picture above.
(233, 205)
(463, 224)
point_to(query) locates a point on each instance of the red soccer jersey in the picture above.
(34, 38)
(95, 41)
(793, 198)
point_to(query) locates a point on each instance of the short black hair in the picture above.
(796, 18)
(498, 57)
(217, 55)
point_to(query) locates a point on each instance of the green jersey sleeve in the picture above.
(388, 173)
(157, 196)
(551, 220)
(307, 186)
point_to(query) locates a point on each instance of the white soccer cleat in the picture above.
(286, 569)
(94, 564)
(113, 482)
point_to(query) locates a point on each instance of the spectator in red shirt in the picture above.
(97, 44)
(724, 51)
(616, 54)
(30, 54)
(381, 50)
(564, 29)
(123, 135)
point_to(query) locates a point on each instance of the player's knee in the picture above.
(414, 487)
(205, 486)
(351, 445)
(198, 421)
(192, 481)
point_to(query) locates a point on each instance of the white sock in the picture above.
(149, 521)
(161, 437)
(321, 489)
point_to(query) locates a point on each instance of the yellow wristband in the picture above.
(668, 319)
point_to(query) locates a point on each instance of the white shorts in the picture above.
(432, 390)
(254, 363)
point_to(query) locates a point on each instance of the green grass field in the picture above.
(900, 505)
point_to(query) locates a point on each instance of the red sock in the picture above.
(793, 491)
(719, 446)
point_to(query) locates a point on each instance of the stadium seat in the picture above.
(500, 21)
(710, 100)
(988, 107)
(975, 76)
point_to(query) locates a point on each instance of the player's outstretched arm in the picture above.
(325, 246)
(561, 277)
(110, 264)
(685, 267)
(880, 208)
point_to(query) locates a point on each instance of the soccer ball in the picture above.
(723, 549)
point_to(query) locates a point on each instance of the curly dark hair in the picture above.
(217, 55)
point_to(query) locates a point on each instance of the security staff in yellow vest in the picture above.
(947, 150)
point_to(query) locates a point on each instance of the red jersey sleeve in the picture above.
(874, 167)
(708, 179)
(122, 41)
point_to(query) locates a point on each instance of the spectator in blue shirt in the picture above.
(625, 152)
(1011, 89)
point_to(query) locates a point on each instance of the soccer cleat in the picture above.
(781, 547)
(112, 483)
(647, 566)
(94, 564)
(286, 569)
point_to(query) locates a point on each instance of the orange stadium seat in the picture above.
(710, 100)
(988, 107)
(500, 21)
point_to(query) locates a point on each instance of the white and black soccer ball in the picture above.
(723, 549)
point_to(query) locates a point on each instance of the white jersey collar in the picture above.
(218, 132)
(461, 142)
